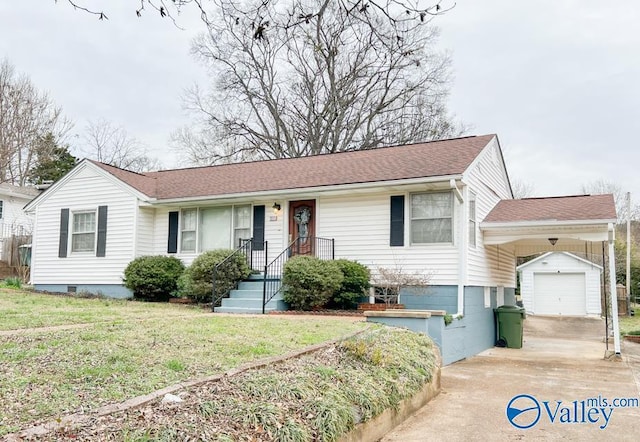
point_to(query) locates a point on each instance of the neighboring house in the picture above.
(14, 222)
(561, 283)
(440, 208)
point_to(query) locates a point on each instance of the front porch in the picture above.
(261, 292)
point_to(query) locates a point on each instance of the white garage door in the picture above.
(559, 294)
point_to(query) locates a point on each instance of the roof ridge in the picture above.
(557, 197)
(100, 163)
(319, 155)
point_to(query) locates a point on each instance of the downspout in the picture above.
(628, 281)
(462, 247)
(612, 287)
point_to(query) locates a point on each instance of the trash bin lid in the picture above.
(509, 309)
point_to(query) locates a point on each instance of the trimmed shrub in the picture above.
(196, 282)
(310, 282)
(153, 278)
(354, 285)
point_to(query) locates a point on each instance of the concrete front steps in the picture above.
(247, 298)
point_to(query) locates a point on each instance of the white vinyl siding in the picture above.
(360, 226)
(146, 232)
(83, 231)
(83, 189)
(274, 230)
(473, 224)
(488, 266)
(431, 218)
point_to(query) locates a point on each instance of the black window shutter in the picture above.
(258, 227)
(172, 246)
(396, 233)
(64, 233)
(101, 248)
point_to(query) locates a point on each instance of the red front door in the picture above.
(302, 226)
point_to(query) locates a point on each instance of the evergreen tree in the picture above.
(53, 161)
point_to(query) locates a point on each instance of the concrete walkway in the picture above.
(562, 359)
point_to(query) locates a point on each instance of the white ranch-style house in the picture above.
(443, 208)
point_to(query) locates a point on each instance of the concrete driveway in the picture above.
(560, 367)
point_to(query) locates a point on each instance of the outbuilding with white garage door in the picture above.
(560, 283)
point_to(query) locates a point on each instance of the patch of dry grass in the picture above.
(129, 349)
(315, 397)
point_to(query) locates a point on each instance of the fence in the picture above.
(14, 240)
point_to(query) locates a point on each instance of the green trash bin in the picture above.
(510, 322)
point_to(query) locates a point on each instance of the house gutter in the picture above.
(544, 223)
(463, 245)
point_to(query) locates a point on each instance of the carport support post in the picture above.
(612, 287)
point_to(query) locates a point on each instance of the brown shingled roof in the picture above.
(144, 183)
(436, 158)
(567, 208)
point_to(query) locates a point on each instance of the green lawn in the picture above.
(630, 323)
(20, 309)
(126, 349)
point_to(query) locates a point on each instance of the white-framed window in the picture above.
(431, 217)
(210, 228)
(188, 225)
(472, 219)
(241, 224)
(1, 209)
(83, 231)
(214, 228)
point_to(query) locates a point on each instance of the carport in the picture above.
(579, 224)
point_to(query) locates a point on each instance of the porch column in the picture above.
(612, 287)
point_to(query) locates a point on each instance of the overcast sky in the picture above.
(557, 80)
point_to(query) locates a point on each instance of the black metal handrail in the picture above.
(323, 248)
(255, 253)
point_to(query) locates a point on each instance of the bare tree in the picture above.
(388, 281)
(418, 10)
(521, 189)
(26, 116)
(194, 145)
(165, 8)
(111, 144)
(306, 77)
(601, 186)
